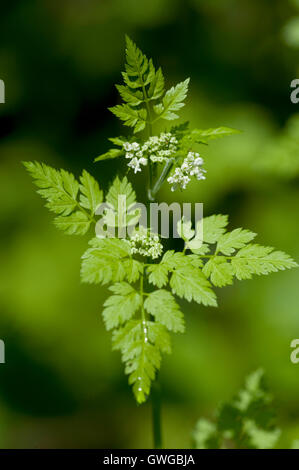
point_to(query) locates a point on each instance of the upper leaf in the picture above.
(131, 117)
(172, 101)
(156, 88)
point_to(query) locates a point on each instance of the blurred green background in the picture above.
(62, 386)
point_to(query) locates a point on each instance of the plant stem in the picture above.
(156, 388)
(156, 414)
(163, 176)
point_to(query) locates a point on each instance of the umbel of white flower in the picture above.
(191, 166)
(157, 148)
(145, 243)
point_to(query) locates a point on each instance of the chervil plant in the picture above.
(144, 280)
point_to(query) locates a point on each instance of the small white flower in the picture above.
(127, 146)
(134, 164)
(157, 148)
(135, 146)
(143, 161)
(191, 166)
(145, 243)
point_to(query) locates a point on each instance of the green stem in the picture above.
(156, 394)
(156, 414)
(150, 132)
(162, 177)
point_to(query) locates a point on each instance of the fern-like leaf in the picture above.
(172, 101)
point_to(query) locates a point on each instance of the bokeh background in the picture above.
(62, 386)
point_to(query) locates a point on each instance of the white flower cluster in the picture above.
(146, 244)
(161, 148)
(135, 154)
(191, 166)
(156, 148)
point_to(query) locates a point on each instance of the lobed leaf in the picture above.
(231, 241)
(173, 100)
(165, 310)
(91, 195)
(121, 306)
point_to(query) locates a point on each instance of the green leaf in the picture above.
(260, 438)
(91, 195)
(208, 230)
(214, 227)
(188, 282)
(164, 308)
(173, 100)
(219, 271)
(216, 133)
(257, 259)
(158, 274)
(130, 116)
(77, 223)
(119, 141)
(106, 261)
(120, 198)
(121, 306)
(142, 83)
(112, 153)
(132, 97)
(58, 187)
(137, 66)
(121, 188)
(142, 369)
(231, 241)
(184, 229)
(174, 260)
(193, 242)
(246, 421)
(159, 336)
(156, 88)
(141, 353)
(205, 435)
(133, 269)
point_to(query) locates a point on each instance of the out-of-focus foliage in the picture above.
(280, 155)
(291, 29)
(62, 386)
(247, 421)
